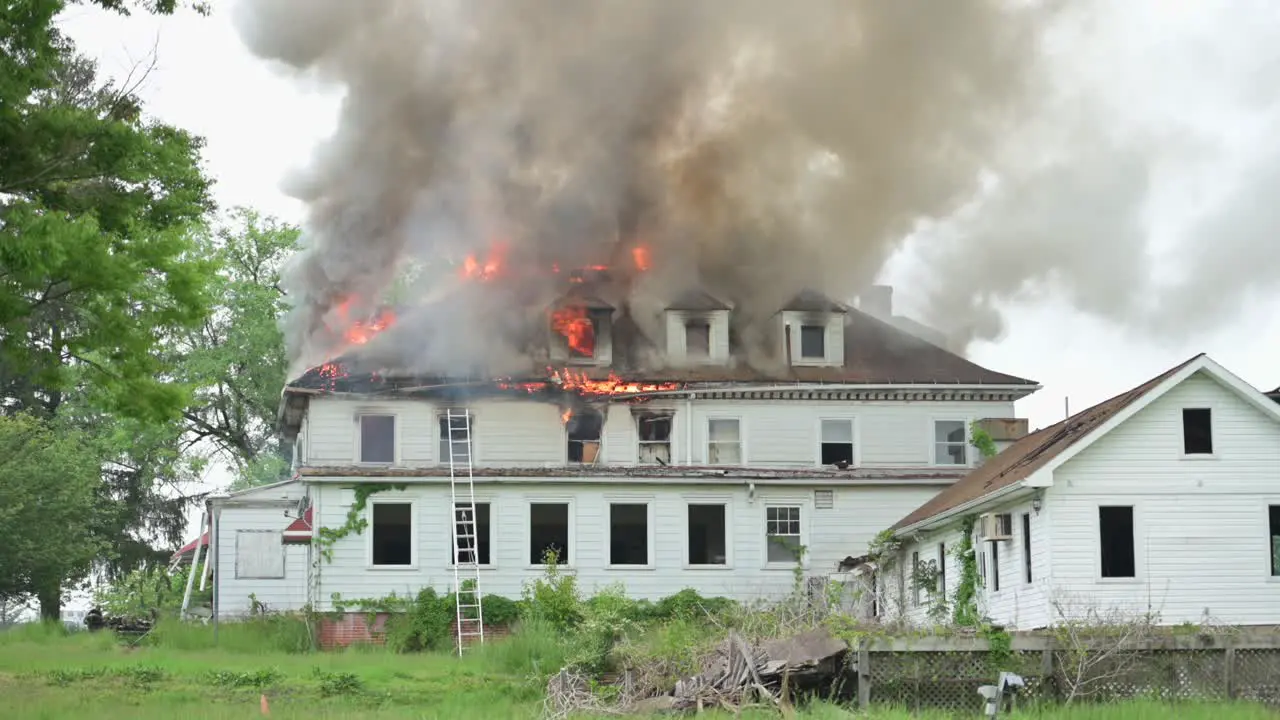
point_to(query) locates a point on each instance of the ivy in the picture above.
(356, 521)
(982, 440)
(883, 550)
(999, 646)
(965, 612)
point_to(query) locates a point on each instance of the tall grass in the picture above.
(271, 634)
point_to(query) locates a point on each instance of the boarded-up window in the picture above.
(259, 554)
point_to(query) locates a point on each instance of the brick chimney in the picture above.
(877, 301)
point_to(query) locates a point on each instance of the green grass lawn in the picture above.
(47, 674)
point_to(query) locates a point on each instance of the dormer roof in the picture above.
(813, 301)
(698, 301)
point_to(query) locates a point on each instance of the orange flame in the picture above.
(359, 332)
(576, 327)
(580, 383)
(564, 416)
(640, 256)
(473, 269)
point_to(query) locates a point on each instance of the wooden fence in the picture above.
(945, 673)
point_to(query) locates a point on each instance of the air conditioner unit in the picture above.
(995, 527)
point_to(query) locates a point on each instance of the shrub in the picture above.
(553, 598)
(608, 619)
(424, 625)
(499, 610)
(689, 605)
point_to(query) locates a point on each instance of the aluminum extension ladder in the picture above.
(466, 559)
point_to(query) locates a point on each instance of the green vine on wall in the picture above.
(356, 521)
(965, 610)
(982, 440)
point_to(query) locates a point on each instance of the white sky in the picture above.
(260, 123)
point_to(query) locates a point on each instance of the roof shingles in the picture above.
(1024, 457)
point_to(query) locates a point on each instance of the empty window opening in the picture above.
(916, 575)
(583, 428)
(629, 534)
(995, 567)
(707, 535)
(654, 430)
(455, 437)
(697, 339)
(1273, 518)
(724, 442)
(377, 438)
(950, 444)
(549, 532)
(813, 342)
(473, 539)
(1026, 547)
(392, 533)
(1115, 525)
(1197, 431)
(837, 442)
(782, 534)
(942, 570)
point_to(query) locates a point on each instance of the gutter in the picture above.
(612, 480)
(726, 387)
(961, 509)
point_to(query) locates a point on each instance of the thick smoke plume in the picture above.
(750, 147)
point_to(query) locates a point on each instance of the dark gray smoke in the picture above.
(755, 147)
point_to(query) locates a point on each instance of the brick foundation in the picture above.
(354, 628)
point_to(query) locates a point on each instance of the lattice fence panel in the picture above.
(947, 680)
(1121, 675)
(1256, 675)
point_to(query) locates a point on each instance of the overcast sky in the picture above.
(1151, 59)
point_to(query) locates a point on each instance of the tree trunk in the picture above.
(50, 603)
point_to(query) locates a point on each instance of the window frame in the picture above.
(1273, 558)
(284, 557)
(1027, 574)
(1213, 434)
(493, 546)
(727, 504)
(765, 506)
(1137, 548)
(600, 451)
(527, 543)
(650, 536)
(670, 442)
(856, 459)
(698, 322)
(969, 451)
(415, 539)
(800, 340)
(941, 588)
(360, 415)
(742, 439)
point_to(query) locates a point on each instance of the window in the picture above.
(813, 342)
(942, 570)
(949, 443)
(377, 438)
(1026, 547)
(583, 429)
(1115, 531)
(724, 442)
(259, 554)
(708, 535)
(915, 577)
(697, 339)
(1273, 520)
(392, 534)
(459, 431)
(1197, 431)
(629, 534)
(782, 534)
(837, 442)
(549, 532)
(995, 567)
(473, 534)
(654, 430)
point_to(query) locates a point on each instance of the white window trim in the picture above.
(857, 446)
(1213, 433)
(742, 439)
(527, 543)
(648, 502)
(1138, 544)
(727, 502)
(395, 437)
(414, 533)
(671, 439)
(825, 357)
(284, 562)
(441, 412)
(600, 454)
(493, 535)
(970, 452)
(805, 519)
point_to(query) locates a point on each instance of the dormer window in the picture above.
(697, 339)
(581, 333)
(813, 342)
